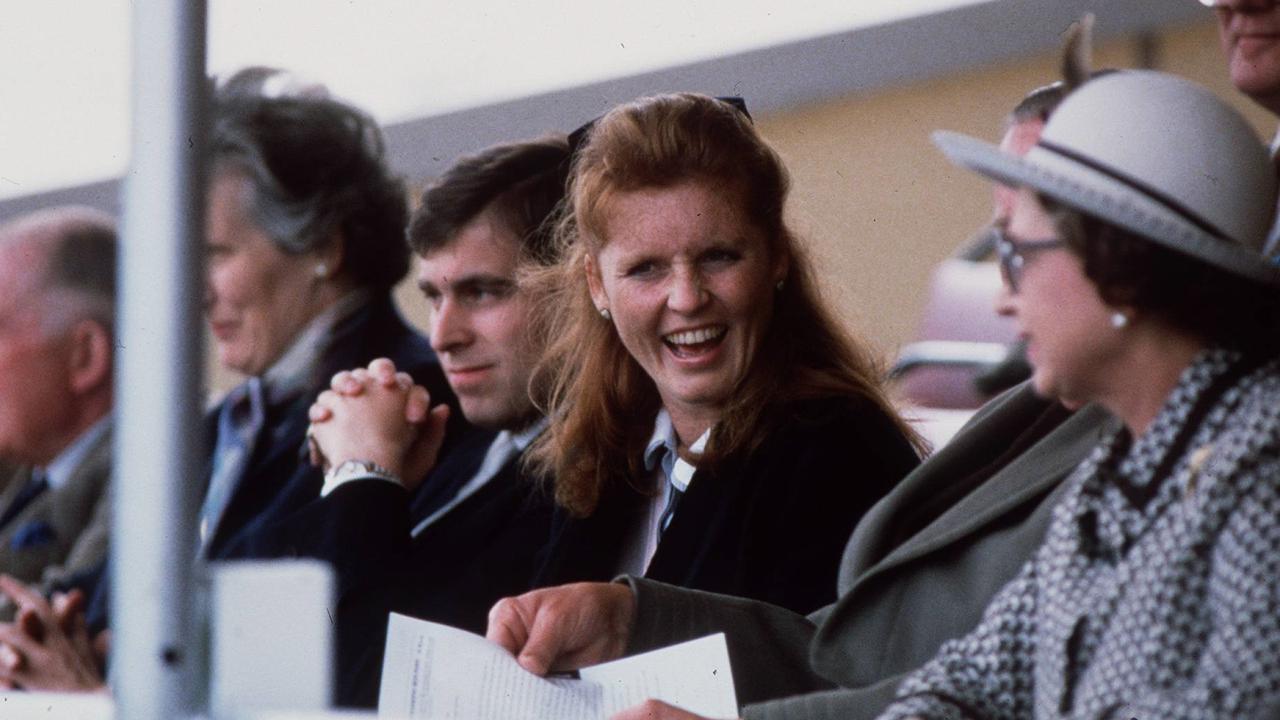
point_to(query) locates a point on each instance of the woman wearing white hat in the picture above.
(1133, 267)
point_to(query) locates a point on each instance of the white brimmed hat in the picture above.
(1155, 154)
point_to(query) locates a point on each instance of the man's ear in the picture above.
(91, 356)
(594, 282)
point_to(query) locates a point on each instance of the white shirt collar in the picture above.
(64, 465)
(661, 451)
(524, 438)
(504, 446)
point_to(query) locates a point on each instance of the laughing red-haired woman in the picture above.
(712, 425)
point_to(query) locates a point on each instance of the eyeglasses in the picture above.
(1013, 255)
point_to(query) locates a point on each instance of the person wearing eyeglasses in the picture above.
(1135, 273)
(1155, 591)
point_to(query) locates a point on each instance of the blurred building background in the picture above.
(848, 97)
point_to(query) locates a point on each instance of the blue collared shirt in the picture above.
(504, 447)
(661, 451)
(660, 456)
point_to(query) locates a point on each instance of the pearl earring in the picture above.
(1119, 320)
(604, 313)
(322, 271)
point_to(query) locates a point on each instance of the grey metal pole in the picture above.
(156, 657)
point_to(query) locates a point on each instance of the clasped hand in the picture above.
(377, 414)
(47, 647)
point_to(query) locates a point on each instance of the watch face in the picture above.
(349, 470)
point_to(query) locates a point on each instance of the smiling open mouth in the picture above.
(691, 343)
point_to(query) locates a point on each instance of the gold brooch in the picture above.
(1198, 458)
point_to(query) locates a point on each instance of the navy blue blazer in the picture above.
(279, 480)
(481, 550)
(769, 526)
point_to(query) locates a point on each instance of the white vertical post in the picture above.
(156, 646)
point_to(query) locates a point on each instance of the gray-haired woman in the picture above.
(305, 239)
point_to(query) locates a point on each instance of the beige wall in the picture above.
(879, 205)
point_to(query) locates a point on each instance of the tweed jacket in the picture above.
(899, 599)
(1156, 592)
(63, 530)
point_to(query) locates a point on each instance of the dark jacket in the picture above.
(899, 598)
(478, 552)
(769, 525)
(279, 480)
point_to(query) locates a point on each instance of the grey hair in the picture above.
(295, 224)
(78, 268)
(1077, 69)
(269, 82)
(82, 265)
(1040, 103)
(317, 173)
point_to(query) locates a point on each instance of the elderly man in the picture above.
(57, 288)
(304, 242)
(1250, 34)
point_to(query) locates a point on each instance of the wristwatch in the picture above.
(352, 469)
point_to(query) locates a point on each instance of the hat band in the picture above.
(1171, 204)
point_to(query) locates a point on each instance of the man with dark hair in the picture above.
(57, 302)
(440, 542)
(483, 182)
(468, 534)
(304, 241)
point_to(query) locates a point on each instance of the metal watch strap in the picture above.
(349, 469)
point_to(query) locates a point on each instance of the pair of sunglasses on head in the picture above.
(578, 137)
